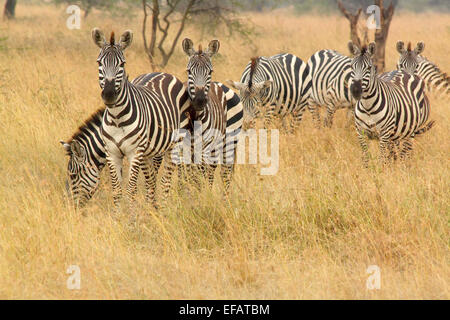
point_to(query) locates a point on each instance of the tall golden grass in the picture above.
(310, 231)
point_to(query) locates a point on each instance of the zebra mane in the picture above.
(111, 38)
(95, 120)
(363, 49)
(253, 65)
(409, 46)
(200, 50)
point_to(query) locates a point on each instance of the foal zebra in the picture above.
(140, 117)
(87, 155)
(411, 61)
(394, 105)
(280, 83)
(330, 82)
(220, 122)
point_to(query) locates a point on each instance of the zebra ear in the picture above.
(213, 47)
(188, 47)
(98, 37)
(354, 50)
(419, 48)
(371, 48)
(235, 85)
(400, 47)
(125, 39)
(66, 146)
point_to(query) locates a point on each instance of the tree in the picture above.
(10, 8)
(381, 33)
(176, 14)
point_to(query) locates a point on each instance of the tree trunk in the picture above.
(10, 8)
(381, 34)
(353, 19)
(150, 49)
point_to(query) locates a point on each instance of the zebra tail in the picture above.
(425, 128)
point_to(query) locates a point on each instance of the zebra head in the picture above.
(363, 69)
(253, 89)
(409, 59)
(111, 64)
(199, 69)
(83, 177)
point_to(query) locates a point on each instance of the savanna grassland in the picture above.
(310, 231)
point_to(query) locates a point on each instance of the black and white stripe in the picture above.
(215, 114)
(393, 106)
(280, 84)
(141, 117)
(330, 84)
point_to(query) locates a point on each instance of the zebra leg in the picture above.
(297, 118)
(385, 144)
(166, 179)
(135, 166)
(115, 172)
(210, 169)
(363, 142)
(392, 154)
(328, 121)
(314, 110)
(269, 115)
(150, 171)
(226, 172)
(407, 149)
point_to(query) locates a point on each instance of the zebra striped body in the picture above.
(394, 105)
(141, 118)
(88, 155)
(281, 84)
(330, 84)
(435, 80)
(212, 117)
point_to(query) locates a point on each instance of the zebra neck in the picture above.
(370, 96)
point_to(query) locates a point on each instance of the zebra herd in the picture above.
(146, 120)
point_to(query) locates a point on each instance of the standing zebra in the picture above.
(394, 105)
(219, 122)
(330, 84)
(280, 83)
(411, 61)
(87, 155)
(140, 118)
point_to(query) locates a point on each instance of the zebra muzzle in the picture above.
(109, 94)
(200, 100)
(356, 89)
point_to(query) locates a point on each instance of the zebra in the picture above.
(140, 118)
(330, 84)
(280, 83)
(87, 154)
(220, 121)
(394, 105)
(411, 61)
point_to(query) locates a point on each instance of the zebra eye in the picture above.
(122, 64)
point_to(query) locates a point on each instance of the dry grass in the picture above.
(308, 232)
